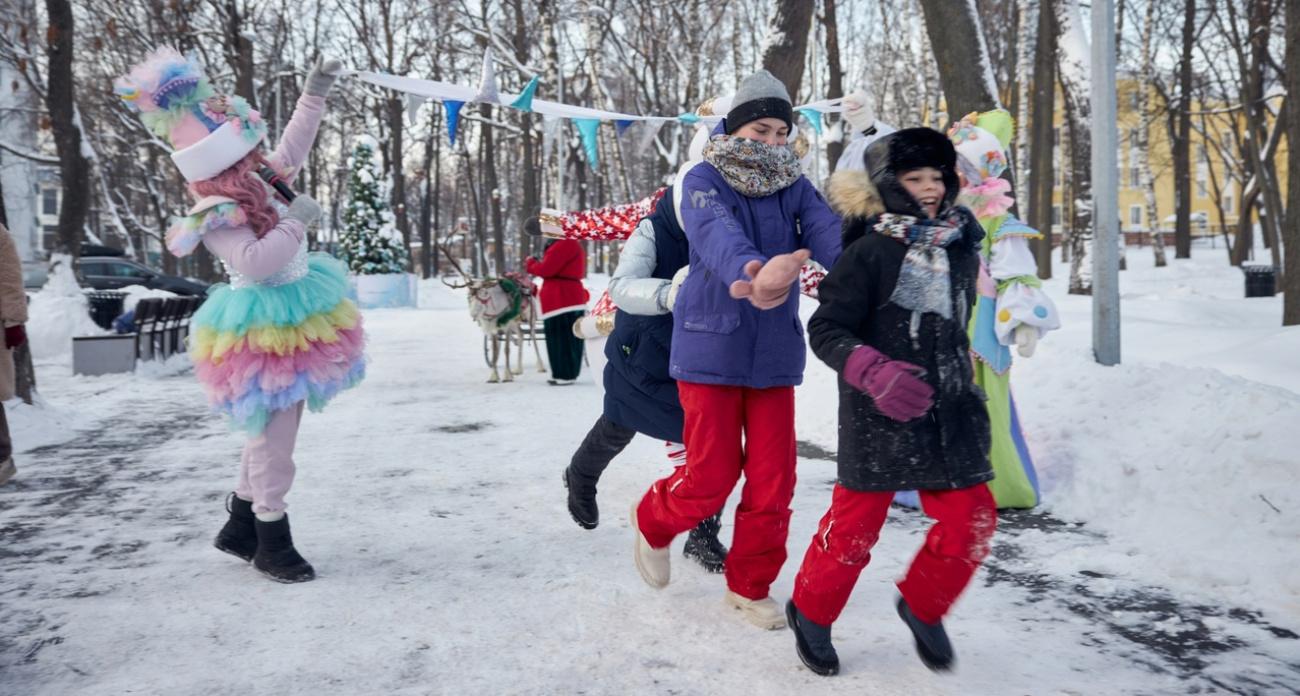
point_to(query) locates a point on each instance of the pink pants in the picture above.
(730, 430)
(266, 468)
(964, 522)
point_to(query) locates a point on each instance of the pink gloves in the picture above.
(896, 386)
(15, 336)
(772, 280)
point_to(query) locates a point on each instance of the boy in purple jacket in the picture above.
(738, 350)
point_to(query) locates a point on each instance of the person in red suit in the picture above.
(564, 301)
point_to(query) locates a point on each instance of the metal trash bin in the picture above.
(1261, 281)
(105, 306)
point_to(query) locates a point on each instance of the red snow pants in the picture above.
(730, 430)
(964, 522)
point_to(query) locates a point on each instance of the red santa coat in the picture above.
(562, 268)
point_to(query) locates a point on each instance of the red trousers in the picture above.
(730, 430)
(964, 522)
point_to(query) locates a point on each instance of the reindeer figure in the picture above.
(501, 306)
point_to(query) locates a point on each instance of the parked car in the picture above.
(113, 272)
(35, 274)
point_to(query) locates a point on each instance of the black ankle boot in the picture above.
(276, 557)
(812, 642)
(703, 547)
(239, 536)
(582, 502)
(932, 642)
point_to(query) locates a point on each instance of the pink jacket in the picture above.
(239, 247)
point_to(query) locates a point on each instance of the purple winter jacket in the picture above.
(721, 340)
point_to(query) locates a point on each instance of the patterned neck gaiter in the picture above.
(752, 168)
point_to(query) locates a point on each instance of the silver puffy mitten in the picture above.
(304, 209)
(322, 77)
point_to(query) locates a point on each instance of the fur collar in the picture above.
(852, 195)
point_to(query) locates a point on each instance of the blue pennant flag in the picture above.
(453, 115)
(525, 99)
(814, 117)
(623, 125)
(587, 130)
(689, 117)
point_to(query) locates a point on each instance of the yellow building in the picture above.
(1216, 191)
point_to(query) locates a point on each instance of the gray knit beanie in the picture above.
(761, 95)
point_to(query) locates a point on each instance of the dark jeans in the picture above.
(563, 348)
(603, 442)
(6, 444)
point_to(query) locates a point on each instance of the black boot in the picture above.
(931, 640)
(582, 501)
(812, 641)
(239, 536)
(703, 547)
(276, 557)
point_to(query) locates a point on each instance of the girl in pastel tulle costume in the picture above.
(282, 333)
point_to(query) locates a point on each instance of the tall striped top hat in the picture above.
(208, 132)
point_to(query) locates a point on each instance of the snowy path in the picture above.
(431, 505)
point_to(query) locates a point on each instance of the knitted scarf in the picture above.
(753, 168)
(924, 284)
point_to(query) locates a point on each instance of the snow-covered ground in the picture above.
(1164, 560)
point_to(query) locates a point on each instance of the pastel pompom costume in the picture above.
(1009, 296)
(282, 333)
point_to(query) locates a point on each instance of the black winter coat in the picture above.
(947, 448)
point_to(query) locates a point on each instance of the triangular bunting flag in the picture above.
(453, 115)
(525, 100)
(689, 117)
(549, 126)
(652, 129)
(587, 130)
(814, 118)
(487, 84)
(623, 125)
(413, 104)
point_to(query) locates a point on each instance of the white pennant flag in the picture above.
(487, 84)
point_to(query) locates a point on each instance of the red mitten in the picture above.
(15, 336)
(895, 385)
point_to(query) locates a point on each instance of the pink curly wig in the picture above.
(249, 193)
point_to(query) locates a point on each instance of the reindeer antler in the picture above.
(451, 258)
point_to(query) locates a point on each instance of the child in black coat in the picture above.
(892, 323)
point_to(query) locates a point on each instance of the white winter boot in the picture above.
(764, 613)
(653, 564)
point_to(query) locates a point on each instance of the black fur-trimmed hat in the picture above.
(857, 195)
(760, 95)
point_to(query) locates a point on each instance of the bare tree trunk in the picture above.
(1041, 123)
(965, 75)
(965, 71)
(1290, 285)
(1076, 91)
(1024, 57)
(529, 172)
(240, 55)
(835, 89)
(489, 167)
(60, 98)
(1182, 141)
(396, 112)
(1144, 138)
(787, 42)
(426, 207)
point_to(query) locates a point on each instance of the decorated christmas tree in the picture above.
(370, 242)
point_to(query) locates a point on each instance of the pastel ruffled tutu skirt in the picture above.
(263, 348)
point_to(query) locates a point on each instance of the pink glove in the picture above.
(771, 281)
(15, 336)
(895, 385)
